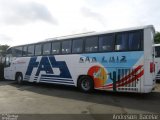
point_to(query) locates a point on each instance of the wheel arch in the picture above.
(80, 76)
(18, 73)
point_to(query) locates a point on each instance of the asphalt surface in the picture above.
(55, 99)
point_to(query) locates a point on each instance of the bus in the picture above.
(117, 60)
(157, 61)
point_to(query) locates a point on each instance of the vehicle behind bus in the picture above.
(157, 61)
(119, 61)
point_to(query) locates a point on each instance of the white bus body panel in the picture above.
(149, 78)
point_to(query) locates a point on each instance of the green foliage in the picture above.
(157, 37)
(3, 49)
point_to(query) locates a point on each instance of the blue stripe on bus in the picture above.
(58, 82)
(56, 79)
(26, 78)
(52, 79)
(54, 76)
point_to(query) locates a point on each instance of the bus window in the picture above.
(91, 44)
(157, 51)
(134, 41)
(24, 52)
(56, 47)
(77, 46)
(66, 47)
(121, 41)
(30, 50)
(46, 48)
(106, 43)
(17, 51)
(11, 51)
(38, 49)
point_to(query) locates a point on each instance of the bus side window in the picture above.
(91, 44)
(106, 42)
(121, 42)
(24, 52)
(77, 46)
(13, 51)
(17, 51)
(9, 51)
(134, 40)
(38, 49)
(56, 48)
(30, 50)
(46, 48)
(66, 47)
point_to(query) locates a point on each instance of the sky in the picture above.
(29, 21)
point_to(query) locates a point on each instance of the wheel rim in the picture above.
(19, 79)
(85, 85)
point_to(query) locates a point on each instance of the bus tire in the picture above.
(85, 84)
(19, 78)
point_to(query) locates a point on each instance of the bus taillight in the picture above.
(152, 67)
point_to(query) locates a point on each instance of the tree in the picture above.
(157, 37)
(3, 49)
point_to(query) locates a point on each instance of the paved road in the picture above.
(52, 99)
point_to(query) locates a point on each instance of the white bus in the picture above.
(118, 60)
(157, 61)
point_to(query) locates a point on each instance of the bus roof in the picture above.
(97, 33)
(91, 33)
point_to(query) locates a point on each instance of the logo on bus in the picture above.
(104, 59)
(99, 75)
(47, 65)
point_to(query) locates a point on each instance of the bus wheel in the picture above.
(19, 78)
(85, 84)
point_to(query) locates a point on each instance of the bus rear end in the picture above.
(148, 82)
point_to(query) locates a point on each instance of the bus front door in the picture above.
(8, 69)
